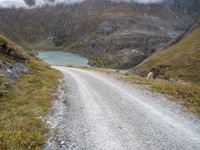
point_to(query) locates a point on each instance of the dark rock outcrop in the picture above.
(5, 50)
(12, 71)
(13, 68)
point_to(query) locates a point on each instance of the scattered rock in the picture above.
(2, 88)
(12, 71)
(117, 71)
(33, 53)
(20, 68)
(172, 80)
(106, 28)
(9, 71)
(85, 130)
(49, 123)
(150, 75)
(62, 142)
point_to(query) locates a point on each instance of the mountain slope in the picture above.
(180, 60)
(110, 34)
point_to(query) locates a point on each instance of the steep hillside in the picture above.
(180, 60)
(110, 34)
(26, 91)
(6, 31)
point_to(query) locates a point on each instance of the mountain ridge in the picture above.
(102, 30)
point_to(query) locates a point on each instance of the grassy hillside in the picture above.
(23, 105)
(180, 61)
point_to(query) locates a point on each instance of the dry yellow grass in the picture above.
(181, 60)
(23, 106)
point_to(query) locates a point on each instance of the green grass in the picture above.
(23, 106)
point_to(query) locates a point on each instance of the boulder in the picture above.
(33, 53)
(172, 80)
(13, 71)
(20, 68)
(12, 53)
(150, 76)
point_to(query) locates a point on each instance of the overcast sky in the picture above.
(141, 1)
(21, 3)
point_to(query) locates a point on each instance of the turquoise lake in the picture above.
(63, 58)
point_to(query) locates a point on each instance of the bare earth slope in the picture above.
(97, 112)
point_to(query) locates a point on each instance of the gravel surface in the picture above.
(96, 112)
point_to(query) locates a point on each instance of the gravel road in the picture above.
(97, 112)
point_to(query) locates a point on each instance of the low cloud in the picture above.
(33, 3)
(12, 3)
(39, 3)
(140, 1)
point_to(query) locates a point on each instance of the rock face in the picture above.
(10, 71)
(102, 28)
(5, 50)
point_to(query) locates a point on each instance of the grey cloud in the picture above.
(140, 1)
(38, 3)
(33, 3)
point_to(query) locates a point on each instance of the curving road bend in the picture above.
(96, 112)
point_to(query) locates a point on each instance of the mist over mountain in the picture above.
(39, 3)
(34, 3)
(140, 1)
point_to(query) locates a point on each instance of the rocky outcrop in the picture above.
(11, 62)
(106, 28)
(12, 71)
(10, 52)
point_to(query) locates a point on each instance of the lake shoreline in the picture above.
(63, 58)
